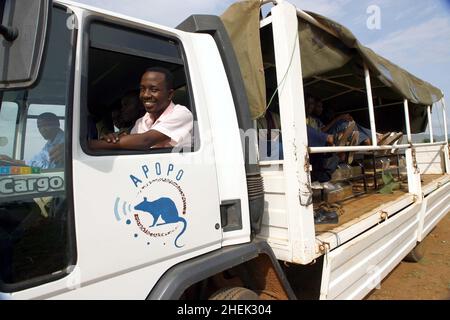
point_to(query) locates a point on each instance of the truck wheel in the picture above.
(234, 293)
(416, 254)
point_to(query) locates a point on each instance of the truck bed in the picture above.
(373, 202)
(430, 182)
(360, 214)
(354, 208)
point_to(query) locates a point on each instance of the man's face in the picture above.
(47, 128)
(310, 104)
(128, 113)
(318, 108)
(154, 94)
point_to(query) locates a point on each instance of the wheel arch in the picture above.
(266, 273)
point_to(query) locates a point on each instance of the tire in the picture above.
(234, 293)
(416, 254)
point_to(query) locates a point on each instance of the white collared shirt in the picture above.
(176, 122)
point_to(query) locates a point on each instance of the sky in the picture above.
(413, 34)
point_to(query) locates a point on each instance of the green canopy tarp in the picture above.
(404, 83)
(321, 52)
(241, 21)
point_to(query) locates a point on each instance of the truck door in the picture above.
(135, 210)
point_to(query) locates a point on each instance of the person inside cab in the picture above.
(52, 154)
(124, 114)
(164, 124)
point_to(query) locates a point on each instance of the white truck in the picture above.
(91, 227)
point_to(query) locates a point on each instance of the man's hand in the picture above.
(11, 161)
(105, 145)
(56, 154)
(110, 137)
(345, 117)
(141, 141)
(4, 157)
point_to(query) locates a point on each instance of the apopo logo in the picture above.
(159, 208)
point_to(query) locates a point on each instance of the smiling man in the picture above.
(164, 125)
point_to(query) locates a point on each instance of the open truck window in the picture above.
(34, 215)
(118, 57)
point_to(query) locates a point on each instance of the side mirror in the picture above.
(23, 33)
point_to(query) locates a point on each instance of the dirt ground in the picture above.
(428, 279)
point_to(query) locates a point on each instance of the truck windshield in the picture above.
(33, 194)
